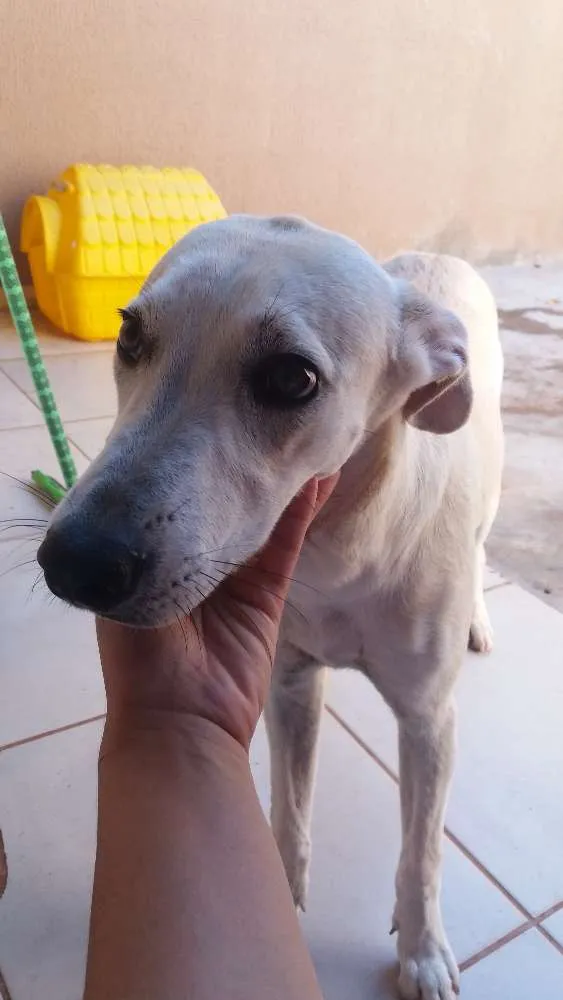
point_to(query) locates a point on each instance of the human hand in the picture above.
(215, 664)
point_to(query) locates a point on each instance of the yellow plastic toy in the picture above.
(99, 232)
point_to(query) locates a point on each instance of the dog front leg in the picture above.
(293, 715)
(426, 748)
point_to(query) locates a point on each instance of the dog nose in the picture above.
(89, 570)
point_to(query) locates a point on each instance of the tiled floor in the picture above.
(503, 877)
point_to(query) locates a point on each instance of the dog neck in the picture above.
(368, 475)
(388, 496)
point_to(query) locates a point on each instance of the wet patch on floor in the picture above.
(526, 542)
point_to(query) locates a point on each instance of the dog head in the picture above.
(259, 353)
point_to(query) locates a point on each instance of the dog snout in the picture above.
(88, 569)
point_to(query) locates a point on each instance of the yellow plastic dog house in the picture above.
(99, 232)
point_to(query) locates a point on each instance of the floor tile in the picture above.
(21, 450)
(525, 969)
(555, 926)
(511, 705)
(356, 842)
(16, 410)
(521, 287)
(90, 435)
(51, 340)
(48, 792)
(82, 383)
(49, 668)
(492, 579)
(361, 707)
(503, 807)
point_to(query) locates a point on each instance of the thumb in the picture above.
(270, 572)
(325, 488)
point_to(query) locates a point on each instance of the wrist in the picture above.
(190, 734)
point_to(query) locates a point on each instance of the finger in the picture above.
(325, 489)
(267, 579)
(264, 581)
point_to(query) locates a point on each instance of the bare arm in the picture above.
(190, 898)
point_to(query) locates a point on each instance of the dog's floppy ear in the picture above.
(434, 344)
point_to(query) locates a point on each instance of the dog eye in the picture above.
(285, 380)
(130, 340)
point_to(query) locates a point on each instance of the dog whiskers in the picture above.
(12, 569)
(195, 625)
(271, 572)
(260, 586)
(31, 489)
(251, 624)
(36, 582)
(189, 613)
(180, 621)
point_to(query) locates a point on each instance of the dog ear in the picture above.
(435, 345)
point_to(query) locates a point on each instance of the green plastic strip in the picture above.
(49, 486)
(26, 332)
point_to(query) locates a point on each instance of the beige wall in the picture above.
(428, 123)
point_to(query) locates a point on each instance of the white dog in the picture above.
(259, 353)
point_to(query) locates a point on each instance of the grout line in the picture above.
(51, 732)
(70, 438)
(496, 945)
(31, 396)
(73, 420)
(358, 739)
(545, 915)
(21, 427)
(78, 353)
(533, 924)
(549, 937)
(87, 420)
(488, 875)
(551, 910)
(448, 833)
(23, 391)
(497, 586)
(78, 447)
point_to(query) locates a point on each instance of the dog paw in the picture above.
(429, 973)
(480, 636)
(427, 967)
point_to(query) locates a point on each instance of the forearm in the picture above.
(190, 899)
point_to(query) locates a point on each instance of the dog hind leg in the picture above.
(480, 631)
